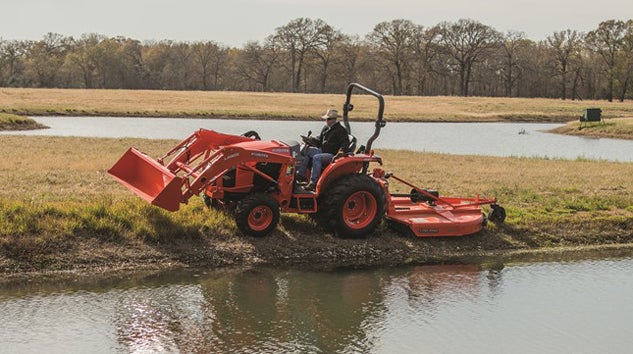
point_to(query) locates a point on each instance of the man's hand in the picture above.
(308, 140)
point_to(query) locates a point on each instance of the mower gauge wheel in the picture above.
(497, 214)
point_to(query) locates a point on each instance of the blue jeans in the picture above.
(319, 159)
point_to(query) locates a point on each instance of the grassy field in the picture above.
(59, 209)
(620, 128)
(293, 106)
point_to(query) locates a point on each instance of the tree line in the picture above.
(397, 57)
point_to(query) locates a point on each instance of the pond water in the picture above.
(550, 307)
(493, 139)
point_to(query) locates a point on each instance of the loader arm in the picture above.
(202, 142)
(216, 165)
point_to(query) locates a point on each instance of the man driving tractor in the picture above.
(322, 149)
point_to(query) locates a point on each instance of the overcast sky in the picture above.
(234, 22)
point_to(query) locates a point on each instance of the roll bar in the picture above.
(348, 107)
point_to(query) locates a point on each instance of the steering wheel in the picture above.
(252, 134)
(308, 140)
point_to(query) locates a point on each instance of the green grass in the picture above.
(17, 122)
(31, 227)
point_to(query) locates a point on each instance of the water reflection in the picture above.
(427, 285)
(261, 310)
(153, 320)
(434, 308)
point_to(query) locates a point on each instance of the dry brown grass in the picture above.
(462, 174)
(64, 169)
(295, 106)
(619, 128)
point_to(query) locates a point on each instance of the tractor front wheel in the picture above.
(257, 214)
(354, 206)
(211, 203)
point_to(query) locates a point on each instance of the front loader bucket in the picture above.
(148, 179)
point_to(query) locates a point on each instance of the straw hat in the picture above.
(330, 114)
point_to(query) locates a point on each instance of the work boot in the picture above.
(301, 180)
(309, 187)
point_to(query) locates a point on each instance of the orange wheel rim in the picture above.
(260, 218)
(359, 210)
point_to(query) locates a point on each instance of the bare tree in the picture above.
(208, 57)
(352, 51)
(256, 61)
(3, 60)
(325, 51)
(136, 74)
(12, 54)
(393, 42)
(299, 37)
(112, 69)
(425, 51)
(468, 42)
(182, 54)
(566, 46)
(46, 57)
(627, 53)
(512, 45)
(86, 56)
(607, 40)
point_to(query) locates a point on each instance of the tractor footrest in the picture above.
(305, 203)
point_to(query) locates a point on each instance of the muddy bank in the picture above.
(384, 248)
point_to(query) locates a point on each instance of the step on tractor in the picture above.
(256, 180)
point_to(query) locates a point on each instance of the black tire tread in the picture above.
(330, 206)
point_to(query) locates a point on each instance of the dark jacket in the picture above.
(332, 138)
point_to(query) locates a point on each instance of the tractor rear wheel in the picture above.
(353, 207)
(257, 214)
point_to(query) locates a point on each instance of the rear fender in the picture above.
(342, 167)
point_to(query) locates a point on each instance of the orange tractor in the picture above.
(255, 179)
